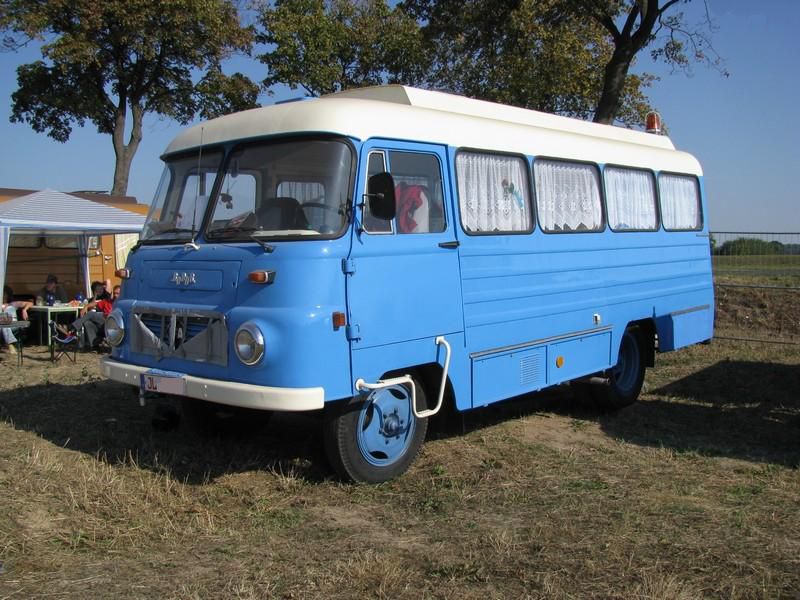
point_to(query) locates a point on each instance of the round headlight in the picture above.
(115, 328)
(249, 343)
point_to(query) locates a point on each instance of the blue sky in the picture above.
(744, 129)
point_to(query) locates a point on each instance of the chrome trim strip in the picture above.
(547, 340)
(689, 310)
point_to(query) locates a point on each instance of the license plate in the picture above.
(163, 384)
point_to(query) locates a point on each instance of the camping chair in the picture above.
(62, 344)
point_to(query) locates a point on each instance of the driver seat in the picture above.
(281, 212)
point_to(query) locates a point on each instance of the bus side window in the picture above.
(375, 164)
(418, 192)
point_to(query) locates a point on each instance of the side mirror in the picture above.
(380, 192)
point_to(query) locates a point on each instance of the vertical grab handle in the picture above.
(362, 385)
(422, 414)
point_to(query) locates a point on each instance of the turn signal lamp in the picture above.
(339, 320)
(261, 276)
(653, 123)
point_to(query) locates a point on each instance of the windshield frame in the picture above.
(245, 235)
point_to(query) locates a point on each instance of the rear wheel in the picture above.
(625, 379)
(375, 437)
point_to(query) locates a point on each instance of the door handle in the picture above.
(453, 244)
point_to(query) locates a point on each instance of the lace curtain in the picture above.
(567, 196)
(493, 192)
(680, 202)
(631, 199)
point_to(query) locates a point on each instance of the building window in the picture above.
(61, 241)
(493, 193)
(24, 241)
(123, 242)
(567, 196)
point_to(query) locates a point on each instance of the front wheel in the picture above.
(625, 379)
(375, 437)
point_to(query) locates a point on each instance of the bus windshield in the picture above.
(182, 196)
(287, 189)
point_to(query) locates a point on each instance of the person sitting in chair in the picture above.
(10, 307)
(51, 292)
(93, 317)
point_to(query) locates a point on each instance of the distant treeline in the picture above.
(749, 246)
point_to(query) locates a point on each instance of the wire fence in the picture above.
(760, 259)
(757, 286)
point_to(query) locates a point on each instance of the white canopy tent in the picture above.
(49, 212)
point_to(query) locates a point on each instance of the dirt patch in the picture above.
(770, 313)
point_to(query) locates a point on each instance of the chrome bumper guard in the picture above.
(230, 393)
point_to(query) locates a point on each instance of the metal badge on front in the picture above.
(183, 279)
(196, 280)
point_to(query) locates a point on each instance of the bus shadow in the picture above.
(736, 409)
(103, 419)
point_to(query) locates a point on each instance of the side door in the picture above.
(403, 282)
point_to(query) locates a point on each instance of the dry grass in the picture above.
(691, 493)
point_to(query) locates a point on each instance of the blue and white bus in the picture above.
(380, 252)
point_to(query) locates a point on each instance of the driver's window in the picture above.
(376, 164)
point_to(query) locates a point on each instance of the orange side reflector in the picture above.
(261, 276)
(339, 320)
(559, 361)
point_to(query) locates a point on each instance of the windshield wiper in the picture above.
(226, 230)
(252, 231)
(173, 230)
(268, 248)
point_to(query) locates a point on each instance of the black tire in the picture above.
(357, 445)
(210, 418)
(625, 379)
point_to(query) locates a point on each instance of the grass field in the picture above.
(784, 267)
(693, 492)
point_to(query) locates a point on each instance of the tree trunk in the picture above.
(616, 72)
(125, 152)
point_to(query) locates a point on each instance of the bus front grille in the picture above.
(190, 334)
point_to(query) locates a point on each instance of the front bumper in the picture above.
(230, 393)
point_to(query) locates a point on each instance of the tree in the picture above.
(570, 57)
(529, 53)
(635, 24)
(750, 246)
(104, 61)
(327, 46)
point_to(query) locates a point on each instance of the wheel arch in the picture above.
(429, 376)
(647, 327)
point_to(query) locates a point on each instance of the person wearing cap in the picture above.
(51, 292)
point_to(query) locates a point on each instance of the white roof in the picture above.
(406, 113)
(49, 211)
